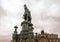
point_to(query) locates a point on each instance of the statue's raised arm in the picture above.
(27, 15)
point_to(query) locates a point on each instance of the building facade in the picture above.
(27, 34)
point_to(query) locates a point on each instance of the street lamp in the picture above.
(16, 36)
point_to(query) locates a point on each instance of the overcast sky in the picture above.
(45, 15)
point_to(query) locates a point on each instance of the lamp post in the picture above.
(16, 36)
(36, 38)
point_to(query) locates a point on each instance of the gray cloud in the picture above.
(2, 12)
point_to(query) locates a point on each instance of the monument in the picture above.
(27, 34)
